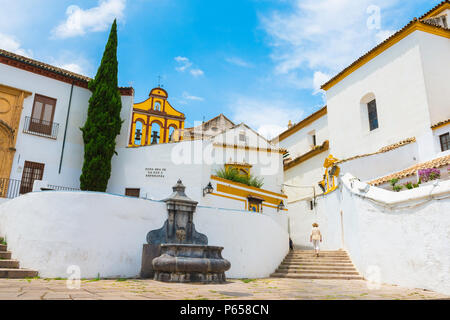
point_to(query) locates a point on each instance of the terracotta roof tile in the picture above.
(381, 150)
(435, 163)
(48, 69)
(440, 123)
(436, 7)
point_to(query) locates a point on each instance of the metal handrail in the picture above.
(41, 127)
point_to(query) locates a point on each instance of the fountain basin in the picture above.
(190, 263)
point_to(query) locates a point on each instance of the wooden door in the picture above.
(31, 171)
(42, 115)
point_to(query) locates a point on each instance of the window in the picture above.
(42, 115)
(133, 192)
(311, 205)
(31, 171)
(242, 137)
(255, 204)
(373, 116)
(312, 138)
(445, 141)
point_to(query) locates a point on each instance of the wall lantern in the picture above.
(281, 206)
(208, 189)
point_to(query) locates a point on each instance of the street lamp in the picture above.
(208, 189)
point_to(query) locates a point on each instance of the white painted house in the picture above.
(42, 108)
(387, 117)
(387, 111)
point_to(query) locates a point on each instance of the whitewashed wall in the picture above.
(103, 234)
(435, 51)
(393, 237)
(299, 142)
(48, 151)
(396, 79)
(191, 161)
(382, 164)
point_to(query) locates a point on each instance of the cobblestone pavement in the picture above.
(270, 288)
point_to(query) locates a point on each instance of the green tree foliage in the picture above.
(103, 122)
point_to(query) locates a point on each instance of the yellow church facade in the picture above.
(155, 121)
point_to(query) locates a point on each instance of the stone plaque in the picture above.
(155, 172)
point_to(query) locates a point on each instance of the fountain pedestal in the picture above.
(185, 254)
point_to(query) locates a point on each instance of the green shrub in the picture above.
(233, 174)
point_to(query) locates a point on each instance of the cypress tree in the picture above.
(103, 122)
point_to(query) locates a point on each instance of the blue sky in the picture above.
(257, 61)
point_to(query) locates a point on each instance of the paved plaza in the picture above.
(270, 288)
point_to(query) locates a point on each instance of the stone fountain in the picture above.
(177, 251)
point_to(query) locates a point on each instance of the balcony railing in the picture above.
(9, 188)
(60, 188)
(41, 127)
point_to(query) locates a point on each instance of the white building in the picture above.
(49, 147)
(387, 116)
(149, 171)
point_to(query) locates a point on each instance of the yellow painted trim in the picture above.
(235, 146)
(248, 187)
(331, 190)
(308, 155)
(436, 11)
(416, 26)
(308, 120)
(245, 193)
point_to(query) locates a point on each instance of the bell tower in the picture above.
(155, 121)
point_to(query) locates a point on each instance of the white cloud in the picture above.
(10, 43)
(383, 35)
(322, 36)
(95, 19)
(239, 62)
(187, 96)
(268, 118)
(319, 79)
(72, 67)
(196, 72)
(185, 64)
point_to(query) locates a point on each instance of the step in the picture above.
(17, 273)
(316, 276)
(322, 251)
(3, 247)
(309, 255)
(320, 255)
(332, 272)
(5, 255)
(315, 264)
(9, 264)
(319, 261)
(317, 258)
(318, 267)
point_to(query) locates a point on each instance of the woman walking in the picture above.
(315, 237)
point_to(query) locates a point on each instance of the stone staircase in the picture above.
(303, 264)
(10, 268)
